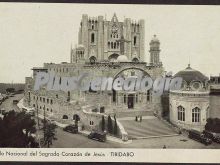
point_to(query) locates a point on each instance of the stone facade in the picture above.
(100, 39)
(183, 104)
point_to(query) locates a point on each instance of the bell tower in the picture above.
(155, 51)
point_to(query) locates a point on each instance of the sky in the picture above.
(34, 33)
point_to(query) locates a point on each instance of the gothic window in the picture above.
(92, 38)
(92, 26)
(109, 45)
(196, 115)
(114, 45)
(181, 113)
(135, 40)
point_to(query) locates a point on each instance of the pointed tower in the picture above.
(155, 51)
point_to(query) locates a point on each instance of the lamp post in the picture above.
(37, 113)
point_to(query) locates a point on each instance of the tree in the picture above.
(16, 129)
(10, 90)
(103, 123)
(49, 133)
(115, 127)
(109, 124)
(213, 125)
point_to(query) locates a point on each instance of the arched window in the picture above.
(109, 45)
(91, 123)
(65, 117)
(196, 114)
(92, 38)
(181, 113)
(112, 45)
(135, 40)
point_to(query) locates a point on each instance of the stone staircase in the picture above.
(148, 128)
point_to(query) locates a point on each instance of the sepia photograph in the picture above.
(109, 76)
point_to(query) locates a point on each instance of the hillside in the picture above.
(4, 86)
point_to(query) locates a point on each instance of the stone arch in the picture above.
(65, 117)
(116, 75)
(113, 57)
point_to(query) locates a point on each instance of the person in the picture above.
(164, 147)
(136, 119)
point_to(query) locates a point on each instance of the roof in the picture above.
(190, 75)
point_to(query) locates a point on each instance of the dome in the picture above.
(122, 58)
(155, 39)
(190, 75)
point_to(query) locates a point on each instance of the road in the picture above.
(68, 140)
(8, 103)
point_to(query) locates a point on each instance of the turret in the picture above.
(155, 51)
